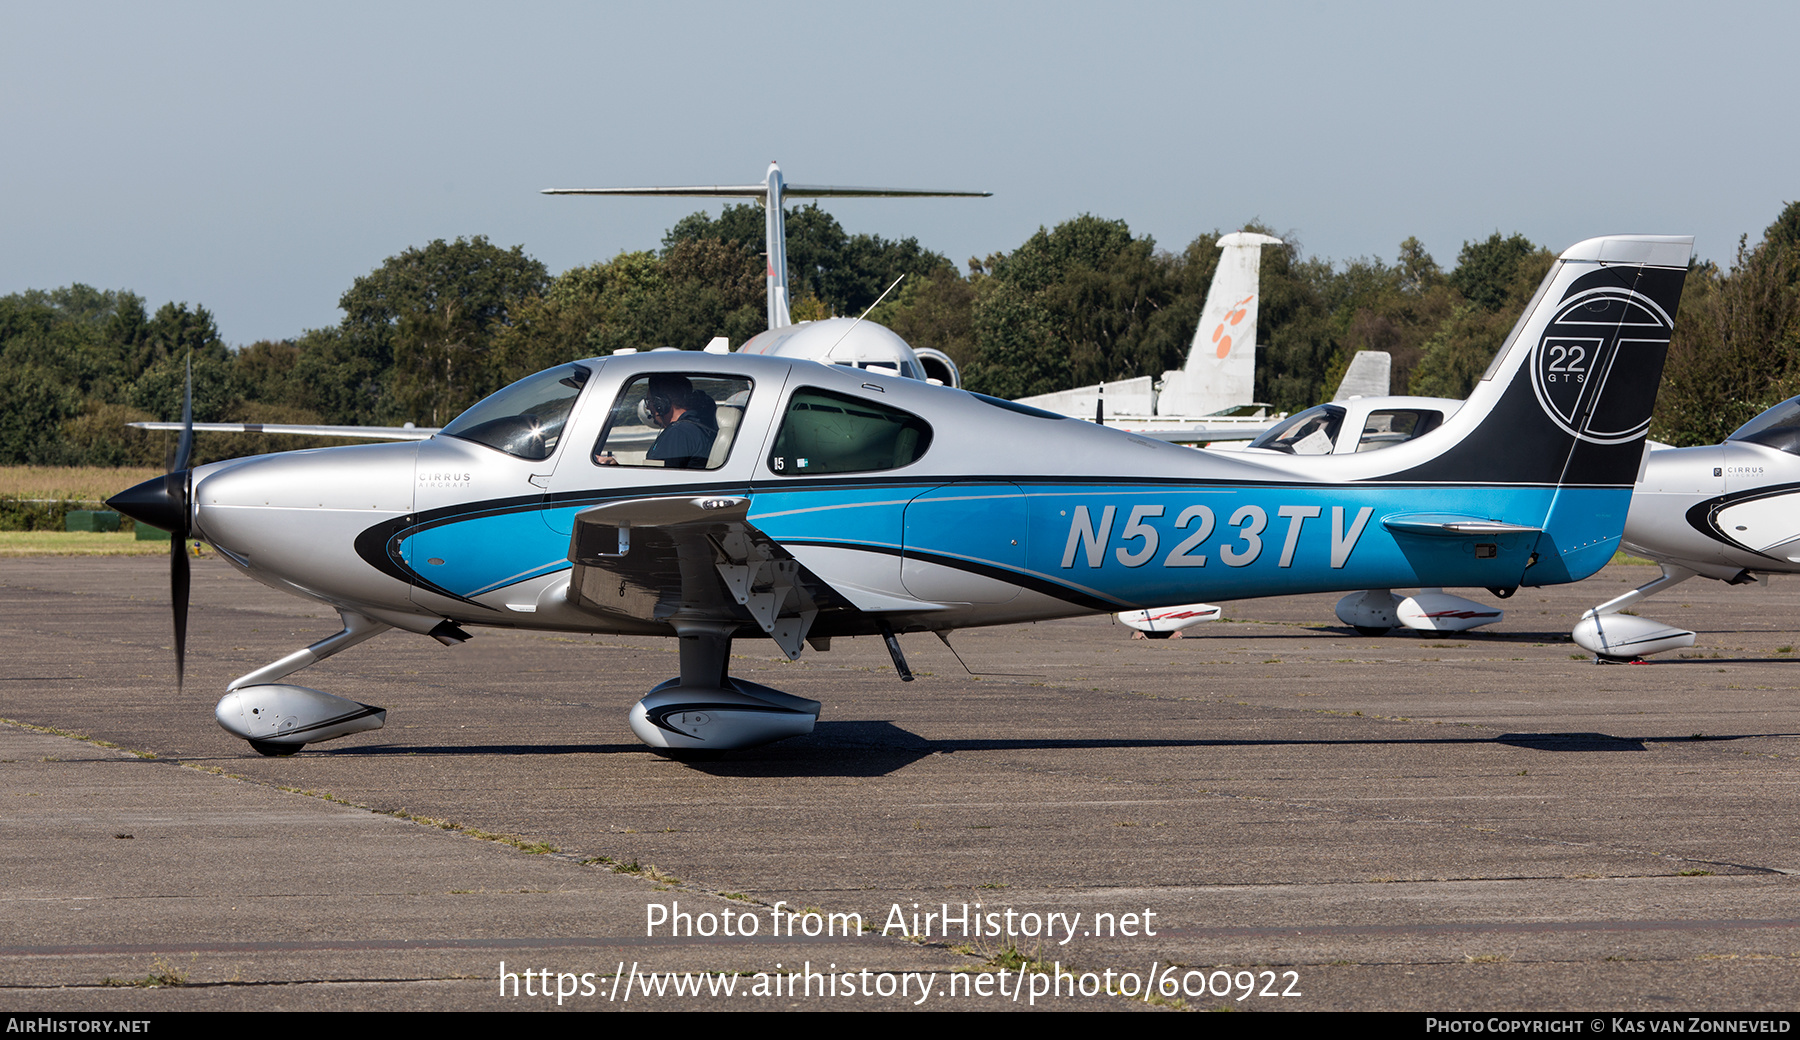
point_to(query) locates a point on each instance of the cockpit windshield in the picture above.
(1778, 428)
(1312, 432)
(526, 419)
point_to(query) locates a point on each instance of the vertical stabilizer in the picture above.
(775, 249)
(1567, 401)
(1370, 375)
(1221, 366)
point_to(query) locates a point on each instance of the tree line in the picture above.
(437, 327)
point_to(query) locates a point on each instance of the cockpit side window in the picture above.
(827, 432)
(674, 420)
(1312, 432)
(527, 418)
(1777, 428)
(1386, 428)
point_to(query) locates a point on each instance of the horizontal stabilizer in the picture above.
(1449, 525)
(757, 191)
(770, 193)
(1207, 434)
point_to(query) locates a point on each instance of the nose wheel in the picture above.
(278, 719)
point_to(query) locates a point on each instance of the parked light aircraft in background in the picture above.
(1728, 511)
(713, 497)
(1330, 429)
(1363, 424)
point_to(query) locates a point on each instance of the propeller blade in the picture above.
(185, 448)
(167, 502)
(181, 488)
(179, 583)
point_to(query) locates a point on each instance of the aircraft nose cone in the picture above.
(153, 502)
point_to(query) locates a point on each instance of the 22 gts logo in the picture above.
(1594, 340)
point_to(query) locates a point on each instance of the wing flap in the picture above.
(686, 558)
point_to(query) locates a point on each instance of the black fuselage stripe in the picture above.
(1704, 516)
(1031, 582)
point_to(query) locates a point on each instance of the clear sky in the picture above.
(256, 158)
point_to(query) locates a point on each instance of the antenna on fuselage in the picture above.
(771, 193)
(865, 314)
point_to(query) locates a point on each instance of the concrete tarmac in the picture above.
(1271, 814)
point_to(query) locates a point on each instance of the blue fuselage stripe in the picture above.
(1128, 543)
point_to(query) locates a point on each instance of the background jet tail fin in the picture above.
(775, 249)
(1221, 365)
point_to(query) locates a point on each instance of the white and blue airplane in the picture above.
(713, 497)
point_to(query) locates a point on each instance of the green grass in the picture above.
(77, 543)
(89, 484)
(162, 974)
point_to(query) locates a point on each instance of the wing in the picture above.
(1205, 434)
(687, 558)
(367, 433)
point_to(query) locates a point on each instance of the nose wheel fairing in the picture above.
(1610, 634)
(283, 716)
(277, 718)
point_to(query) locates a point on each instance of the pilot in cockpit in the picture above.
(688, 420)
(687, 417)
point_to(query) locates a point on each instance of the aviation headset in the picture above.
(659, 399)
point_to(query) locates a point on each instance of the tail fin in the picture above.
(1566, 403)
(1221, 366)
(775, 248)
(1568, 397)
(1370, 374)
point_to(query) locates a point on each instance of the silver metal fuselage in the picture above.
(1719, 510)
(1009, 516)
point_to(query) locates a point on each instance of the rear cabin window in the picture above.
(826, 432)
